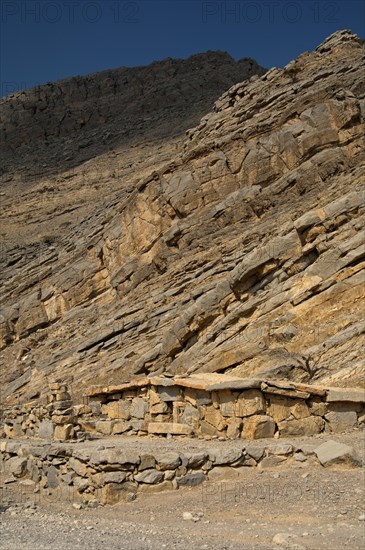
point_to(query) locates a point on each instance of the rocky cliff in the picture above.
(75, 119)
(239, 249)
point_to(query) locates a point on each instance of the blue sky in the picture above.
(46, 40)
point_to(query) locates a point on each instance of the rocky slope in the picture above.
(72, 120)
(240, 250)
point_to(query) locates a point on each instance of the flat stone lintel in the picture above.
(215, 382)
(353, 395)
(108, 390)
(284, 392)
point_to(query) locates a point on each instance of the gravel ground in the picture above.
(299, 506)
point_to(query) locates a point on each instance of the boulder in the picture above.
(168, 460)
(191, 480)
(225, 455)
(149, 476)
(16, 466)
(338, 455)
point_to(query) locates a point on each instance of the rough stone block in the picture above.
(104, 426)
(191, 416)
(79, 467)
(234, 426)
(354, 395)
(147, 462)
(139, 408)
(197, 397)
(120, 410)
(159, 408)
(113, 493)
(250, 402)
(45, 430)
(225, 455)
(191, 480)
(226, 402)
(153, 397)
(215, 418)
(114, 477)
(332, 453)
(169, 428)
(271, 461)
(16, 466)
(121, 427)
(63, 432)
(318, 407)
(305, 426)
(169, 393)
(168, 460)
(283, 408)
(61, 405)
(341, 421)
(207, 429)
(195, 460)
(115, 456)
(258, 427)
(149, 476)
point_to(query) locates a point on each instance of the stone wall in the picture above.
(205, 406)
(57, 418)
(96, 474)
(227, 407)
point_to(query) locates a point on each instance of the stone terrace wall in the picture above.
(97, 474)
(207, 406)
(57, 418)
(222, 406)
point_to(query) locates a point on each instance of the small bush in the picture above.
(293, 72)
(49, 239)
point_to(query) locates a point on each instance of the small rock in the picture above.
(188, 516)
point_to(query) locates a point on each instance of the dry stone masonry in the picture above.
(225, 406)
(204, 405)
(95, 473)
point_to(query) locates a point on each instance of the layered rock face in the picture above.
(78, 118)
(240, 250)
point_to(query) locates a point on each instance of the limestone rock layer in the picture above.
(238, 248)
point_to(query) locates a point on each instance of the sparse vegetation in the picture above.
(49, 239)
(293, 72)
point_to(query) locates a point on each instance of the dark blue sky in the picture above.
(46, 40)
